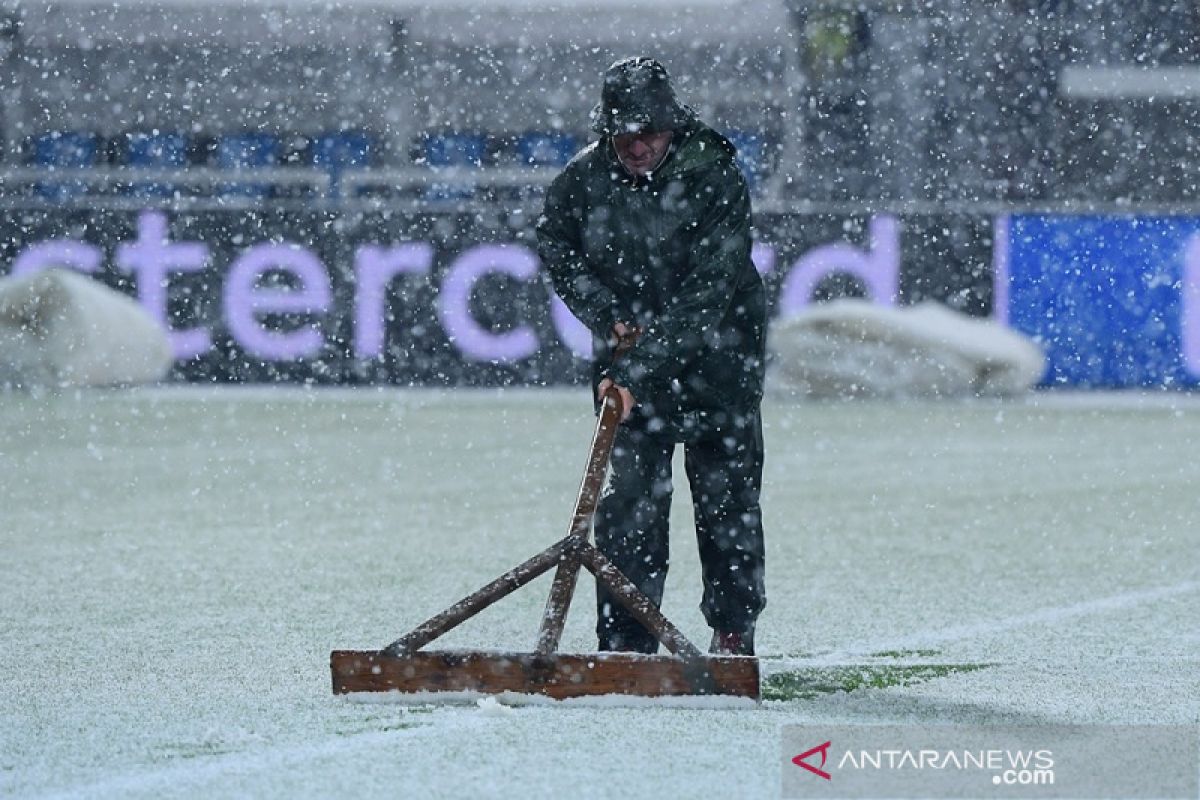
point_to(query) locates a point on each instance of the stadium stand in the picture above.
(341, 90)
(154, 150)
(752, 155)
(538, 149)
(827, 102)
(453, 149)
(339, 151)
(247, 151)
(64, 150)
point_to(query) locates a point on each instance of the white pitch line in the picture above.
(1043, 616)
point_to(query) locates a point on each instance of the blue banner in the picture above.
(1114, 300)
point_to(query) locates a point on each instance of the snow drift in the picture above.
(853, 348)
(60, 328)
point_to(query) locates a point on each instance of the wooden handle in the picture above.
(612, 410)
(561, 591)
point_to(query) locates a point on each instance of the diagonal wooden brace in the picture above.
(638, 604)
(559, 603)
(471, 605)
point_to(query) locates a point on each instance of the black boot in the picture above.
(732, 643)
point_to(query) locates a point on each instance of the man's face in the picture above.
(641, 153)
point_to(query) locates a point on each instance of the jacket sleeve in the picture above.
(560, 247)
(716, 263)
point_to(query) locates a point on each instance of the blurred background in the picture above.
(340, 127)
(941, 99)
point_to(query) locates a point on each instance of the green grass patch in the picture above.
(375, 727)
(787, 656)
(918, 653)
(805, 684)
(380, 719)
(193, 750)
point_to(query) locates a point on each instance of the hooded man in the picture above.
(649, 229)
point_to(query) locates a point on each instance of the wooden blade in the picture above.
(559, 675)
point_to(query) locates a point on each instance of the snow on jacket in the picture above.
(670, 253)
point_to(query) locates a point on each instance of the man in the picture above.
(649, 229)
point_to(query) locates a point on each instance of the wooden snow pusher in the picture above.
(404, 667)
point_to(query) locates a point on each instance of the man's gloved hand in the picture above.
(621, 333)
(627, 400)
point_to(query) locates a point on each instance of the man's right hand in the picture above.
(626, 396)
(620, 333)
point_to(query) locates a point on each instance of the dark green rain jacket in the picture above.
(671, 254)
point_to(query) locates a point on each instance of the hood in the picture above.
(638, 96)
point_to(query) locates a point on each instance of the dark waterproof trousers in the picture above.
(724, 470)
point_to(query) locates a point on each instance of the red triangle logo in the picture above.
(823, 749)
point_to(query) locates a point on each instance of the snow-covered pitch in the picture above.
(178, 563)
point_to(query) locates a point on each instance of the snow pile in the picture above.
(60, 328)
(853, 348)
